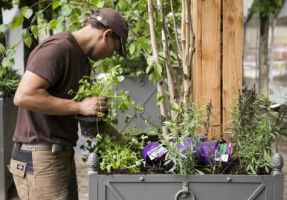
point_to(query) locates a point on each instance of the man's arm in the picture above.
(32, 94)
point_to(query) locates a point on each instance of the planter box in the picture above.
(173, 187)
(8, 116)
(179, 187)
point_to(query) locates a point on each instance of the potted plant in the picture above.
(9, 80)
(249, 172)
(103, 85)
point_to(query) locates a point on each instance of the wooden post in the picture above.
(232, 54)
(217, 63)
(207, 67)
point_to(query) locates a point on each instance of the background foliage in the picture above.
(56, 16)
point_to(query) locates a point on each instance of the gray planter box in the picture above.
(191, 187)
(173, 187)
(8, 116)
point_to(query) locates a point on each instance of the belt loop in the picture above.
(56, 148)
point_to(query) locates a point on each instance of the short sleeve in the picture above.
(48, 61)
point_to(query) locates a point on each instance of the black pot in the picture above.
(89, 125)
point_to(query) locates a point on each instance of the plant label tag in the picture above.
(157, 152)
(224, 158)
(223, 152)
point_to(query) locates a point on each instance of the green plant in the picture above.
(117, 156)
(254, 127)
(185, 126)
(9, 79)
(105, 86)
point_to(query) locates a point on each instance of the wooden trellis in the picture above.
(217, 61)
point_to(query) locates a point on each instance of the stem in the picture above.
(156, 57)
(186, 50)
(175, 27)
(170, 81)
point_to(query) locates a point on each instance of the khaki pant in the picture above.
(49, 178)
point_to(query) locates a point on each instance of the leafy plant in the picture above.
(184, 127)
(9, 79)
(105, 86)
(254, 128)
(115, 156)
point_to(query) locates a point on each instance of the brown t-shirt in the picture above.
(60, 60)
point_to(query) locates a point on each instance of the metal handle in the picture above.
(184, 191)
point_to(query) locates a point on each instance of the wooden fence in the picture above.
(217, 62)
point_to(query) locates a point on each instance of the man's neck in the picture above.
(83, 37)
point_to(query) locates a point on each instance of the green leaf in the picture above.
(26, 12)
(63, 2)
(132, 48)
(28, 41)
(55, 5)
(66, 10)
(3, 28)
(35, 31)
(17, 21)
(6, 62)
(25, 33)
(175, 107)
(159, 98)
(149, 69)
(26, 37)
(53, 24)
(101, 4)
(40, 14)
(158, 69)
(10, 53)
(150, 60)
(60, 26)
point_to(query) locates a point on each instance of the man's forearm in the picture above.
(41, 101)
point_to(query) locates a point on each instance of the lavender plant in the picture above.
(254, 128)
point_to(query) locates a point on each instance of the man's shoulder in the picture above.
(56, 45)
(60, 40)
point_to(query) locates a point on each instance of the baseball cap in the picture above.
(113, 19)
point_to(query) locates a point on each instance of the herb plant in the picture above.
(122, 156)
(105, 86)
(183, 127)
(254, 128)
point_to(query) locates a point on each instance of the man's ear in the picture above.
(108, 33)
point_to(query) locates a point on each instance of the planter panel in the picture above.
(8, 116)
(193, 187)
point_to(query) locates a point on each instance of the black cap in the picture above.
(113, 19)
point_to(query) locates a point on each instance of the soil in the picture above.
(89, 125)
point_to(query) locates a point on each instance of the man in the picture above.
(46, 129)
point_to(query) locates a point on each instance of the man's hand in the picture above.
(93, 106)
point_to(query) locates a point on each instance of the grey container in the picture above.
(8, 116)
(191, 187)
(194, 187)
